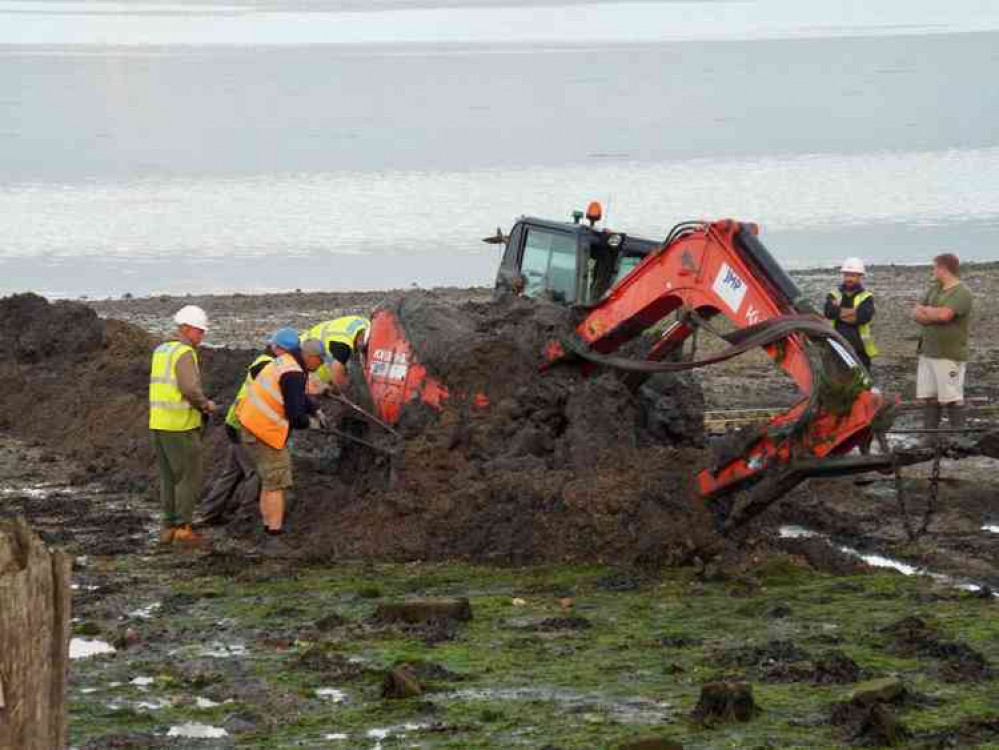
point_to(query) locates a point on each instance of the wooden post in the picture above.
(34, 640)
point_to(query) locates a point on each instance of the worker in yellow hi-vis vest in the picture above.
(343, 338)
(851, 308)
(177, 405)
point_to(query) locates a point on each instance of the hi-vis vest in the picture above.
(168, 409)
(262, 409)
(864, 330)
(230, 416)
(343, 330)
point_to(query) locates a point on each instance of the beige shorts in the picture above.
(942, 379)
(273, 465)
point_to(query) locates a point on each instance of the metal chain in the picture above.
(931, 501)
(882, 438)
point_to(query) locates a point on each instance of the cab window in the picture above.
(549, 264)
(628, 263)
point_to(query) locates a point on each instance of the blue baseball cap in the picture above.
(286, 338)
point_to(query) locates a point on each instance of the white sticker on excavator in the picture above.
(389, 364)
(730, 287)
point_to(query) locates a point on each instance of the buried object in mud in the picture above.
(725, 702)
(425, 610)
(401, 683)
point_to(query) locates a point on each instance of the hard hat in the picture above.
(853, 265)
(193, 316)
(286, 338)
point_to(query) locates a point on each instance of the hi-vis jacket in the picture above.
(230, 416)
(168, 409)
(343, 330)
(261, 411)
(864, 329)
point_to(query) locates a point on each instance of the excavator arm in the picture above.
(721, 268)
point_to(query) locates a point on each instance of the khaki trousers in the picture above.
(178, 455)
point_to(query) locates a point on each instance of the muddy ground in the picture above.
(581, 653)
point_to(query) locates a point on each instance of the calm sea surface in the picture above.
(153, 147)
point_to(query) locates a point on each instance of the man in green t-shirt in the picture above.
(944, 315)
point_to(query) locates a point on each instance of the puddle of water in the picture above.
(145, 613)
(795, 532)
(334, 695)
(213, 649)
(336, 737)
(81, 648)
(624, 710)
(879, 561)
(197, 731)
(379, 734)
(991, 529)
(154, 705)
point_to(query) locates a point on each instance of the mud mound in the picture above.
(959, 662)
(33, 330)
(79, 384)
(470, 345)
(557, 467)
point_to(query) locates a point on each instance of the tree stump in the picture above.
(34, 640)
(723, 702)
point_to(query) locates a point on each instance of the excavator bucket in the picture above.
(395, 376)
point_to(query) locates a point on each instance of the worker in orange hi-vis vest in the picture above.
(275, 404)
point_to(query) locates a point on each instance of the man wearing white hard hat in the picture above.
(851, 308)
(177, 406)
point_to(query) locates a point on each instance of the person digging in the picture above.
(275, 404)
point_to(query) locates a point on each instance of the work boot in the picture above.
(185, 536)
(931, 421)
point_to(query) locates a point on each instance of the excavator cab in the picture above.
(567, 262)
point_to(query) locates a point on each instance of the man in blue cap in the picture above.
(239, 483)
(275, 404)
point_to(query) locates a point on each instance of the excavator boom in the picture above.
(721, 269)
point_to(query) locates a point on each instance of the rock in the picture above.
(401, 683)
(650, 743)
(425, 610)
(87, 628)
(835, 667)
(873, 724)
(723, 702)
(126, 639)
(330, 622)
(553, 624)
(884, 690)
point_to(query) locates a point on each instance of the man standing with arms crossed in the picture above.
(945, 316)
(177, 405)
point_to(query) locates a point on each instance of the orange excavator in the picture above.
(622, 287)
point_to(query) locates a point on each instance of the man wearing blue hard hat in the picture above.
(274, 404)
